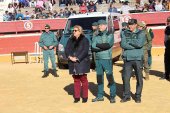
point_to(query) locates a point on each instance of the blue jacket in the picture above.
(132, 43)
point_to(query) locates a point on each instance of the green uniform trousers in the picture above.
(105, 65)
(146, 58)
(46, 55)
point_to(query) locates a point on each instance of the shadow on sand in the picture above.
(93, 89)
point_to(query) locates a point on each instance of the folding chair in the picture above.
(37, 55)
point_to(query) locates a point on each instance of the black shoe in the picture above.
(54, 73)
(46, 73)
(76, 100)
(125, 99)
(98, 99)
(162, 78)
(84, 100)
(108, 85)
(138, 100)
(112, 100)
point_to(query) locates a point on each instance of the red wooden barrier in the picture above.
(31, 25)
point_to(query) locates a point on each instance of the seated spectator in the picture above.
(158, 5)
(66, 12)
(16, 2)
(146, 7)
(11, 17)
(79, 2)
(48, 5)
(92, 7)
(72, 2)
(83, 8)
(40, 4)
(62, 3)
(151, 6)
(15, 6)
(6, 16)
(112, 8)
(33, 14)
(50, 15)
(139, 7)
(27, 15)
(72, 12)
(10, 8)
(53, 2)
(55, 14)
(110, 1)
(32, 3)
(61, 13)
(23, 3)
(19, 16)
(125, 8)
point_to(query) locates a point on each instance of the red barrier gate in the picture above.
(31, 25)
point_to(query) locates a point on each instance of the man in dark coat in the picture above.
(167, 50)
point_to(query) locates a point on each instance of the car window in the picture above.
(86, 23)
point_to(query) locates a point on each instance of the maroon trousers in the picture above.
(80, 81)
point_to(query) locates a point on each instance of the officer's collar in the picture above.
(103, 32)
(48, 32)
(135, 31)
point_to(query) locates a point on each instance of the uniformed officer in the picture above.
(146, 48)
(95, 28)
(95, 33)
(102, 46)
(48, 41)
(132, 42)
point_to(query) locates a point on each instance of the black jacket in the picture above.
(78, 48)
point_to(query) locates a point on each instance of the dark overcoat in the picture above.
(78, 48)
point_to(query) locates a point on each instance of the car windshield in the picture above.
(85, 23)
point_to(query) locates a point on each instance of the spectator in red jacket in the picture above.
(83, 8)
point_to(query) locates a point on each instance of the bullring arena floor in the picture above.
(22, 90)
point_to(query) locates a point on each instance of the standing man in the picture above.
(132, 42)
(95, 33)
(48, 41)
(147, 48)
(167, 50)
(95, 28)
(102, 46)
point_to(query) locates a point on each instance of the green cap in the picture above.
(47, 26)
(94, 24)
(124, 24)
(102, 22)
(132, 21)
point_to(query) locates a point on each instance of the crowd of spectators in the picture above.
(43, 9)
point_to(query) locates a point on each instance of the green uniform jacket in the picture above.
(103, 37)
(48, 39)
(149, 37)
(132, 43)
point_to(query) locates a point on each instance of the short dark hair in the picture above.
(132, 21)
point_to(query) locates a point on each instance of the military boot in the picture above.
(46, 73)
(146, 76)
(54, 73)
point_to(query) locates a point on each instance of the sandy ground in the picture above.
(22, 90)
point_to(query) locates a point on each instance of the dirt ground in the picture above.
(22, 90)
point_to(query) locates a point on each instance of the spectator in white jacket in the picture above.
(158, 5)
